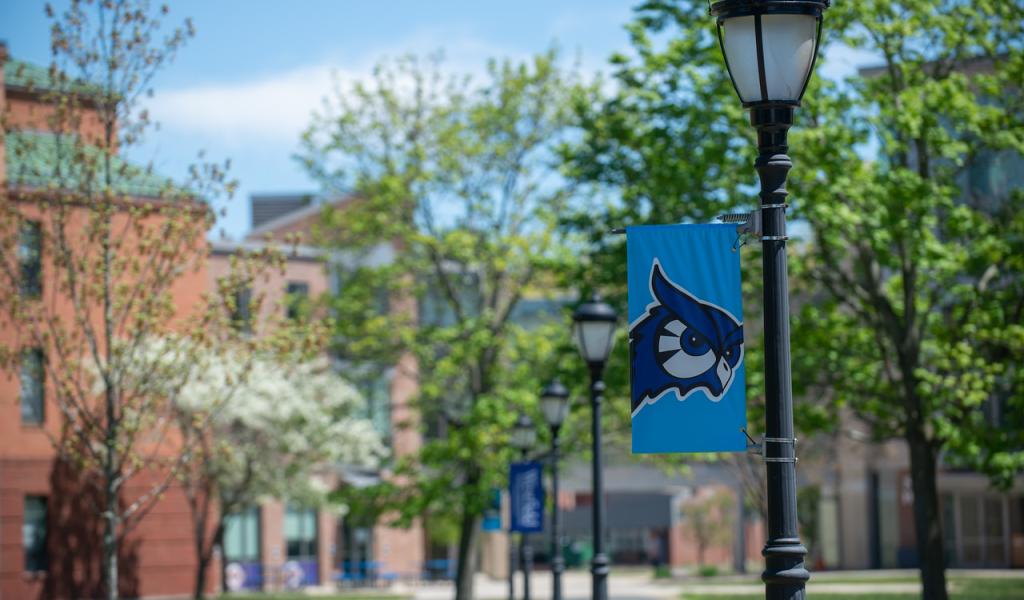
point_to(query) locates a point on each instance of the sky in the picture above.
(245, 86)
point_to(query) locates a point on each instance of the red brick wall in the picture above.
(327, 528)
(399, 551)
(156, 558)
(272, 545)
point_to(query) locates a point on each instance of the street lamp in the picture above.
(554, 402)
(594, 329)
(524, 436)
(770, 47)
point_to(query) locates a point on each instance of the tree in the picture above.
(710, 518)
(457, 178)
(917, 270)
(670, 143)
(269, 425)
(115, 245)
(911, 280)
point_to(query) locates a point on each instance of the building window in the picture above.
(242, 536)
(32, 386)
(241, 312)
(30, 243)
(33, 533)
(296, 300)
(300, 533)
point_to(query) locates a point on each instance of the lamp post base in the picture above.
(557, 568)
(599, 568)
(784, 574)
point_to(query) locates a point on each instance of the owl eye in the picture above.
(683, 352)
(732, 355)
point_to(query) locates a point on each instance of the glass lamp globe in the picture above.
(554, 402)
(524, 435)
(594, 330)
(769, 46)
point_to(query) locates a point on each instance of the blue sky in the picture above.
(245, 86)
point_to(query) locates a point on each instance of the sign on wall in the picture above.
(688, 383)
(492, 514)
(526, 491)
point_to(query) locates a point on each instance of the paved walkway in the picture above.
(639, 585)
(575, 586)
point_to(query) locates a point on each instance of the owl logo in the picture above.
(682, 343)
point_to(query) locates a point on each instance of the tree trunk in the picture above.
(740, 549)
(204, 555)
(111, 512)
(110, 550)
(926, 518)
(466, 567)
(202, 564)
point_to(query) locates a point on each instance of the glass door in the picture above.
(983, 540)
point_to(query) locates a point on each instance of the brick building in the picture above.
(49, 534)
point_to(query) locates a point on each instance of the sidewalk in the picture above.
(639, 585)
(575, 586)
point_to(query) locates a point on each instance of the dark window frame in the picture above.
(30, 259)
(308, 547)
(37, 412)
(241, 314)
(296, 298)
(37, 557)
(249, 512)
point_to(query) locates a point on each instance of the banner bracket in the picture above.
(752, 446)
(780, 459)
(747, 224)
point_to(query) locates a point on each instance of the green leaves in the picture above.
(455, 183)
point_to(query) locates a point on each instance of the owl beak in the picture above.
(724, 372)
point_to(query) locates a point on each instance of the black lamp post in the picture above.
(524, 436)
(595, 331)
(770, 47)
(554, 402)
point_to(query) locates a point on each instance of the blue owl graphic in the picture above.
(683, 344)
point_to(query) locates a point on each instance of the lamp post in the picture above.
(554, 402)
(524, 436)
(770, 47)
(594, 329)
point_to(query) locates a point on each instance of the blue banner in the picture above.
(686, 339)
(526, 491)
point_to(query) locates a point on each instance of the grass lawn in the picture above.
(961, 588)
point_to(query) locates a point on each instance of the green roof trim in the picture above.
(37, 159)
(18, 73)
(36, 78)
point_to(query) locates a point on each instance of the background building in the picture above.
(49, 534)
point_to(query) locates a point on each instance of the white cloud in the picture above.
(276, 108)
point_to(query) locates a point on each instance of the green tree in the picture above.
(456, 179)
(917, 270)
(912, 277)
(668, 143)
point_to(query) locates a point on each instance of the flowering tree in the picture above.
(265, 426)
